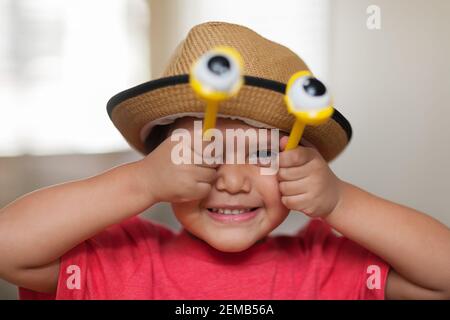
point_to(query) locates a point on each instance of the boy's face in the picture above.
(237, 187)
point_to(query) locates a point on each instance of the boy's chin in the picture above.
(230, 244)
(231, 248)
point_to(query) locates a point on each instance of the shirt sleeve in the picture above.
(110, 265)
(343, 269)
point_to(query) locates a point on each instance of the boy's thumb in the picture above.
(283, 142)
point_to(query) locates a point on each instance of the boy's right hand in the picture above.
(163, 180)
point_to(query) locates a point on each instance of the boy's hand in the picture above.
(307, 183)
(163, 180)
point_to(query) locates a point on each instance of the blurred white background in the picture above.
(60, 62)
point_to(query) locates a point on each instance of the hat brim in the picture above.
(259, 100)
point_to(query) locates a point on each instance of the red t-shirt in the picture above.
(139, 259)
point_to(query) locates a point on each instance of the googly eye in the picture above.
(219, 65)
(218, 72)
(307, 93)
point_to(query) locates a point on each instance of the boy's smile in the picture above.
(230, 214)
(242, 207)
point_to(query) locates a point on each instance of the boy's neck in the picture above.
(262, 240)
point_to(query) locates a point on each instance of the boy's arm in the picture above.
(414, 244)
(38, 228)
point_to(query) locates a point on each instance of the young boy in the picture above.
(82, 239)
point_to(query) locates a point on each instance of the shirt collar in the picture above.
(189, 245)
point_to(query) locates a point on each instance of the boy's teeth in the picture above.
(230, 211)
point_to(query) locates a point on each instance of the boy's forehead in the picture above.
(221, 124)
(188, 122)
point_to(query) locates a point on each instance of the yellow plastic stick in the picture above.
(296, 134)
(215, 85)
(212, 107)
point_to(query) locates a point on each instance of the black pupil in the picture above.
(314, 87)
(219, 65)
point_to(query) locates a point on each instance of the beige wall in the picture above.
(392, 84)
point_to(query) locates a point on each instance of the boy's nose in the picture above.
(233, 178)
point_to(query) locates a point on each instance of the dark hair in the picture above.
(157, 135)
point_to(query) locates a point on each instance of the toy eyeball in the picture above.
(217, 75)
(307, 98)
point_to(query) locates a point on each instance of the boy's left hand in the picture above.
(306, 182)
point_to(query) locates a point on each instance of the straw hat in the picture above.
(142, 113)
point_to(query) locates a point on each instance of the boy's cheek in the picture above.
(269, 188)
(185, 211)
(270, 170)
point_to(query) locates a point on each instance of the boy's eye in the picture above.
(264, 153)
(262, 157)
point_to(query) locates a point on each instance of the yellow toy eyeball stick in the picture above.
(308, 100)
(216, 76)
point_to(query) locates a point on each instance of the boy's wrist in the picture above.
(141, 183)
(343, 188)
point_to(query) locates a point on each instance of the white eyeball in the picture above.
(308, 94)
(218, 71)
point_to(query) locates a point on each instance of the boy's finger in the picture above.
(303, 142)
(203, 189)
(296, 202)
(208, 165)
(204, 174)
(293, 173)
(283, 142)
(295, 157)
(306, 143)
(291, 188)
